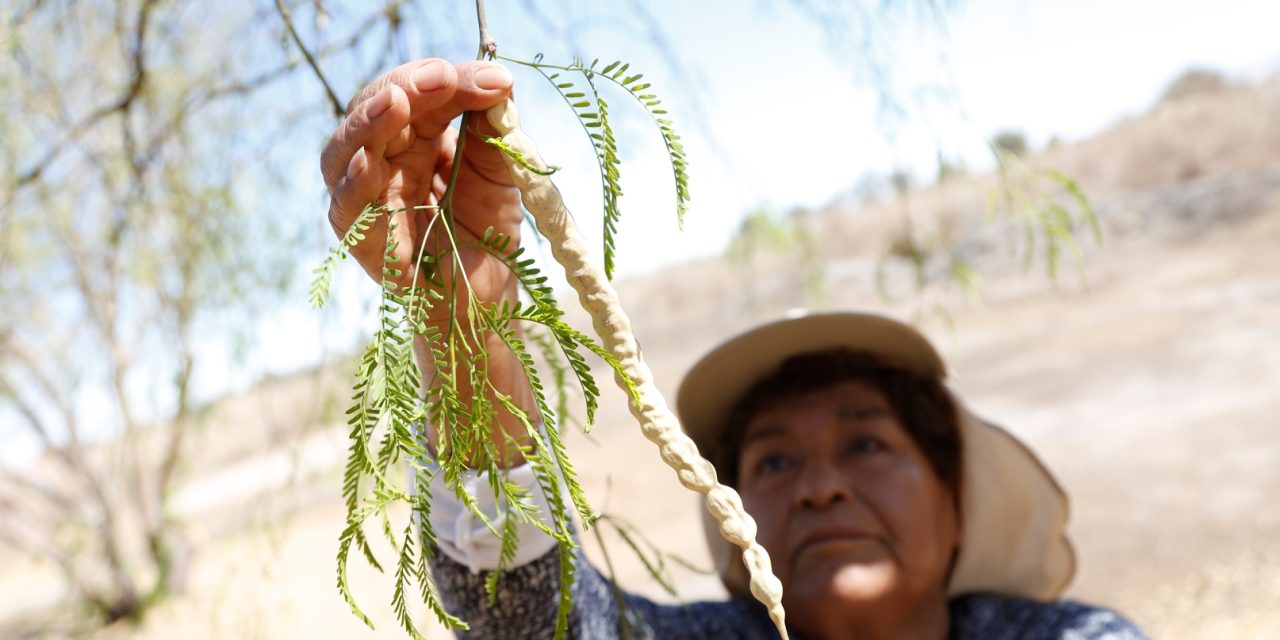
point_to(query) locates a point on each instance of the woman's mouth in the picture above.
(829, 537)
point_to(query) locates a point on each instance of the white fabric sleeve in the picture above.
(464, 537)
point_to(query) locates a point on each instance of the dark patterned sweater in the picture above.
(527, 597)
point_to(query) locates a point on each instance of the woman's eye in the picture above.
(773, 463)
(866, 444)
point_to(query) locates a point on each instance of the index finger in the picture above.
(480, 86)
(469, 86)
(426, 84)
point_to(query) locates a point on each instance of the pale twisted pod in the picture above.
(659, 425)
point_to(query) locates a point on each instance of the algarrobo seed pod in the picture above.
(657, 422)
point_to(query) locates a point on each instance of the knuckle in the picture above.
(335, 219)
(330, 182)
(332, 164)
(351, 128)
(329, 170)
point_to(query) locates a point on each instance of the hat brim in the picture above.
(1014, 512)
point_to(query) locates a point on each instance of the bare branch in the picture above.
(30, 417)
(178, 426)
(31, 10)
(76, 130)
(106, 522)
(121, 104)
(55, 497)
(73, 459)
(138, 79)
(334, 102)
(51, 391)
(488, 48)
(102, 303)
(232, 89)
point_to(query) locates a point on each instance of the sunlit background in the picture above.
(165, 384)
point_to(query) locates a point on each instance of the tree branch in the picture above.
(238, 88)
(488, 48)
(26, 14)
(338, 109)
(50, 390)
(178, 425)
(56, 498)
(137, 81)
(78, 465)
(34, 424)
(102, 304)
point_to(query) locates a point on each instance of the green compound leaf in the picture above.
(498, 318)
(649, 554)
(519, 157)
(549, 347)
(319, 291)
(404, 573)
(596, 123)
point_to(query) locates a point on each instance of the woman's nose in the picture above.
(820, 484)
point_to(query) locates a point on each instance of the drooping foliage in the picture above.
(390, 406)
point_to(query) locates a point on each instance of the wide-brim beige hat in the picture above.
(1014, 512)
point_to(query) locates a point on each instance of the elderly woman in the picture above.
(888, 509)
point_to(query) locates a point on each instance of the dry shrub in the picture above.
(1193, 82)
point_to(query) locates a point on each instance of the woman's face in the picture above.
(854, 519)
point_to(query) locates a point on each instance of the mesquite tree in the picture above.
(120, 233)
(145, 196)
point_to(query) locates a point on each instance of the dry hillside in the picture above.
(1148, 379)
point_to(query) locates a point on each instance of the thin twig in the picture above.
(487, 46)
(338, 109)
(246, 86)
(490, 48)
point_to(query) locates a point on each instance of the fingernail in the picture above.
(429, 77)
(493, 77)
(378, 103)
(357, 165)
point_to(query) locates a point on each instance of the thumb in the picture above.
(484, 157)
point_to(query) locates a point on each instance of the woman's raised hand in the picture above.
(395, 146)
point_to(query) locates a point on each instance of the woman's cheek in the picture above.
(770, 513)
